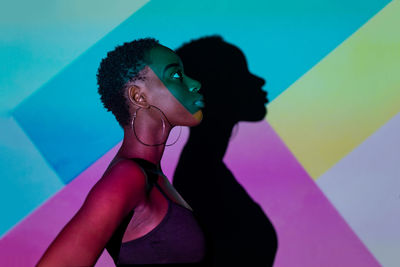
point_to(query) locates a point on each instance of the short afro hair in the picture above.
(121, 66)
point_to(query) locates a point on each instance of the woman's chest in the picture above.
(151, 212)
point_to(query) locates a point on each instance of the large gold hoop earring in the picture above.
(134, 117)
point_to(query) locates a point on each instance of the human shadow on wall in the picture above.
(237, 230)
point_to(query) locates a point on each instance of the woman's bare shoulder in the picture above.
(83, 238)
(124, 178)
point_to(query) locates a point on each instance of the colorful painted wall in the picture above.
(324, 164)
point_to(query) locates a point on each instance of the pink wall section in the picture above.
(310, 231)
(26, 242)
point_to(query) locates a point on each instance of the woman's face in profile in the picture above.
(171, 90)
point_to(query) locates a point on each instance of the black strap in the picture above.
(150, 170)
(113, 245)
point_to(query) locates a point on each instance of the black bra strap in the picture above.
(162, 191)
(113, 245)
(150, 171)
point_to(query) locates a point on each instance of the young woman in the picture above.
(133, 210)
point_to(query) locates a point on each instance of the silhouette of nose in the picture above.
(259, 81)
(262, 81)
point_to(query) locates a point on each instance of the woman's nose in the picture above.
(194, 86)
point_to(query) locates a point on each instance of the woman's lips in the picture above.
(199, 103)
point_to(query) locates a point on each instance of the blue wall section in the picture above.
(38, 39)
(282, 40)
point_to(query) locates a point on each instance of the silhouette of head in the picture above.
(230, 91)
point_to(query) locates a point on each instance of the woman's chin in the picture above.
(198, 115)
(197, 118)
(193, 123)
(193, 120)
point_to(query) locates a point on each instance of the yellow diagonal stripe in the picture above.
(344, 98)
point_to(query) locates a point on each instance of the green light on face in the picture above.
(168, 68)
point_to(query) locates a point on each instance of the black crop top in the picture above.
(176, 240)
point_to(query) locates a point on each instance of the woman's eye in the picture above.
(177, 75)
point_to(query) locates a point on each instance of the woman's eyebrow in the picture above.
(170, 66)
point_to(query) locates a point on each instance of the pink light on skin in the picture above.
(310, 230)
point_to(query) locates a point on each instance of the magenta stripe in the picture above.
(310, 230)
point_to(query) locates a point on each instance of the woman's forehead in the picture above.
(162, 56)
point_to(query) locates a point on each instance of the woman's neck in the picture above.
(132, 148)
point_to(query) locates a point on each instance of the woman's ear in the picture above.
(137, 96)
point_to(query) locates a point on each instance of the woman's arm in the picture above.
(84, 237)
